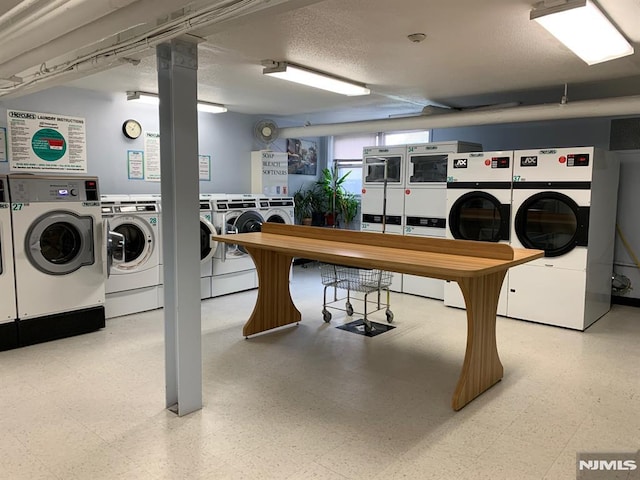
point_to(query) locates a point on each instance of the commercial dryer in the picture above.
(564, 202)
(8, 314)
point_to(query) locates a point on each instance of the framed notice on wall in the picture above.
(204, 167)
(3, 145)
(46, 142)
(152, 156)
(135, 164)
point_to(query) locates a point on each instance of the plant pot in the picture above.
(317, 219)
(306, 221)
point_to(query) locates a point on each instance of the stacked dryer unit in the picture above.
(479, 207)
(564, 202)
(8, 313)
(208, 245)
(134, 285)
(59, 256)
(373, 194)
(233, 267)
(425, 198)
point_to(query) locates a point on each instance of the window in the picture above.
(347, 154)
(404, 138)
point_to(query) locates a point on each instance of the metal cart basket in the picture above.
(352, 279)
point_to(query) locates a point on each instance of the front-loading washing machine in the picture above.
(278, 210)
(233, 267)
(134, 284)
(60, 256)
(425, 198)
(8, 313)
(564, 202)
(479, 208)
(208, 245)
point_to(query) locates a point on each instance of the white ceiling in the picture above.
(475, 53)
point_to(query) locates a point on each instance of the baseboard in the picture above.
(60, 325)
(630, 301)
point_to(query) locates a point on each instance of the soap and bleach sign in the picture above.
(46, 142)
(269, 173)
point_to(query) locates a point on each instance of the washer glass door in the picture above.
(479, 216)
(553, 222)
(207, 244)
(138, 241)
(60, 242)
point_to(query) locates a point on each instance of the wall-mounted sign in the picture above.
(204, 167)
(152, 156)
(135, 164)
(46, 142)
(3, 145)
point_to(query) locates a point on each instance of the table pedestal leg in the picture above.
(274, 307)
(482, 367)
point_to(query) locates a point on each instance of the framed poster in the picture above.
(303, 156)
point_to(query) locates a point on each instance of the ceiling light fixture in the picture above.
(583, 28)
(152, 99)
(312, 78)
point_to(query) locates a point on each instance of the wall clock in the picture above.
(131, 128)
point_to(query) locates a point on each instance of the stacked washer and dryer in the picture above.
(134, 285)
(425, 198)
(415, 200)
(8, 312)
(60, 259)
(564, 202)
(479, 207)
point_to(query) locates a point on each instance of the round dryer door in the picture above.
(207, 244)
(479, 216)
(276, 218)
(248, 222)
(60, 242)
(553, 222)
(138, 241)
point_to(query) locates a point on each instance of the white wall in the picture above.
(226, 137)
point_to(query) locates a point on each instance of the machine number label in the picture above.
(518, 178)
(365, 225)
(208, 217)
(450, 179)
(90, 204)
(4, 205)
(408, 229)
(17, 206)
(153, 221)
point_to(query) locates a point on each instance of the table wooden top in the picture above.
(437, 258)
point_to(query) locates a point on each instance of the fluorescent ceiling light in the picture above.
(583, 28)
(305, 76)
(152, 99)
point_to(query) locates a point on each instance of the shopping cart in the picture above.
(352, 279)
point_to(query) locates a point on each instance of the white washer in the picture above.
(279, 210)
(8, 312)
(208, 245)
(60, 256)
(372, 205)
(134, 284)
(479, 208)
(425, 199)
(564, 202)
(233, 267)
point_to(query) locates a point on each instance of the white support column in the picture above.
(178, 89)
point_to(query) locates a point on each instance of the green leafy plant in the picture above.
(337, 202)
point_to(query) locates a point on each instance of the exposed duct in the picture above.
(581, 109)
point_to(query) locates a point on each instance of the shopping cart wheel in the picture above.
(349, 308)
(389, 314)
(368, 328)
(326, 315)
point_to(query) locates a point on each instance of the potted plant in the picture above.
(309, 206)
(337, 202)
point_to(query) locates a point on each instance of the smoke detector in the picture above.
(417, 37)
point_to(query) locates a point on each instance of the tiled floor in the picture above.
(316, 402)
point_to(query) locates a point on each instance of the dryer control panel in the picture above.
(50, 189)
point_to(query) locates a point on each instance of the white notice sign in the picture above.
(152, 156)
(46, 142)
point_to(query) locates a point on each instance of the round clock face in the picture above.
(131, 128)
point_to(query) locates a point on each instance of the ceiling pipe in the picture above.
(580, 109)
(74, 38)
